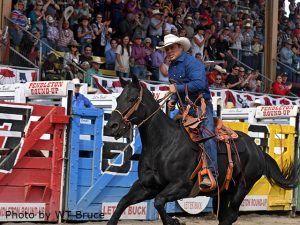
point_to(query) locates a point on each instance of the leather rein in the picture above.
(128, 112)
(136, 105)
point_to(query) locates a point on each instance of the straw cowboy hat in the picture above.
(91, 90)
(96, 59)
(74, 43)
(220, 69)
(173, 39)
(156, 11)
(248, 25)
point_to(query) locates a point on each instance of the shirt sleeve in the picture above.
(118, 50)
(197, 78)
(87, 103)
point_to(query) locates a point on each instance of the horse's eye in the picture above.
(132, 100)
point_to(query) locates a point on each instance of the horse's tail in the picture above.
(288, 179)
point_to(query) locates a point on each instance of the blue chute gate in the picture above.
(100, 173)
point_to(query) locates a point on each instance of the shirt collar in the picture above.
(181, 58)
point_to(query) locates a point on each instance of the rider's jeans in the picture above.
(210, 145)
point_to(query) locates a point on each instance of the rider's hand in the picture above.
(172, 88)
(171, 105)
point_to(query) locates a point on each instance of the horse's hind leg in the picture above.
(171, 192)
(136, 194)
(230, 204)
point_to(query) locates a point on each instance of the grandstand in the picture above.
(46, 30)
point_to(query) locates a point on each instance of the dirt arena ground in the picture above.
(245, 219)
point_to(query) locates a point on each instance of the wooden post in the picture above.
(5, 10)
(271, 32)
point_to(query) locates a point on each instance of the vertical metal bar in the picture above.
(40, 57)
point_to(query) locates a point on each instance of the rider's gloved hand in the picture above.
(171, 105)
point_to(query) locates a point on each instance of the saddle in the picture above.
(222, 134)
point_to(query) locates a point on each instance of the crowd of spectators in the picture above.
(127, 32)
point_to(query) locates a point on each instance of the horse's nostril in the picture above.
(114, 126)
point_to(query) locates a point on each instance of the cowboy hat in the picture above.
(73, 43)
(109, 30)
(220, 69)
(156, 11)
(68, 12)
(173, 39)
(76, 81)
(96, 59)
(189, 18)
(91, 90)
(229, 105)
(289, 41)
(49, 19)
(255, 103)
(247, 25)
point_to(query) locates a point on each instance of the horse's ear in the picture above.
(135, 81)
(123, 82)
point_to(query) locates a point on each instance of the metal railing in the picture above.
(43, 49)
(293, 70)
(238, 53)
(238, 61)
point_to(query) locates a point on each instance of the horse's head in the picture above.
(128, 110)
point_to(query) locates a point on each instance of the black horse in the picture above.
(169, 157)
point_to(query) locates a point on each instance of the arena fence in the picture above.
(98, 173)
(32, 141)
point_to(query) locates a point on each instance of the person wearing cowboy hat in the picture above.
(94, 70)
(217, 70)
(186, 71)
(79, 100)
(156, 26)
(286, 55)
(85, 32)
(66, 36)
(52, 32)
(71, 59)
(247, 56)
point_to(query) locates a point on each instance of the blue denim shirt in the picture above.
(81, 102)
(188, 70)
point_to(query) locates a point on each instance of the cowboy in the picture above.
(79, 100)
(186, 70)
(93, 71)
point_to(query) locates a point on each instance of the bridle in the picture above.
(128, 112)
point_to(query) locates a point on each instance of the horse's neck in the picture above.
(155, 128)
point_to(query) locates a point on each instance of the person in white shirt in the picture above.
(198, 41)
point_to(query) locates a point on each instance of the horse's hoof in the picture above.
(177, 221)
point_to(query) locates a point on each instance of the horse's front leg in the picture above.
(136, 194)
(172, 192)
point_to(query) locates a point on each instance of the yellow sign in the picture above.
(278, 142)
